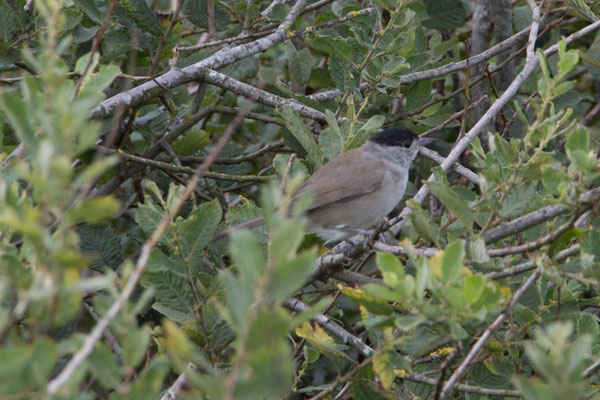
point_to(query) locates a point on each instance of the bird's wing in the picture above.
(345, 182)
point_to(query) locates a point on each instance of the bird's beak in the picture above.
(424, 141)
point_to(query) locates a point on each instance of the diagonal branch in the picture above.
(194, 72)
(90, 341)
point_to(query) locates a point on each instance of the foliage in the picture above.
(246, 317)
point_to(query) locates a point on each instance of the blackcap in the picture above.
(357, 189)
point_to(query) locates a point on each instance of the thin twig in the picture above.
(90, 340)
(478, 346)
(184, 170)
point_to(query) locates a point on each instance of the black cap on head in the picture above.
(395, 137)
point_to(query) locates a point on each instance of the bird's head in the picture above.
(401, 142)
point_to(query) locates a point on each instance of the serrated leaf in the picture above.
(100, 243)
(193, 141)
(444, 14)
(453, 202)
(423, 223)
(197, 230)
(343, 74)
(170, 290)
(517, 201)
(452, 260)
(196, 13)
(587, 324)
(300, 63)
(417, 94)
(143, 16)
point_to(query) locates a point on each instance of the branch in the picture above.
(332, 327)
(530, 265)
(463, 388)
(467, 173)
(536, 217)
(187, 123)
(184, 170)
(194, 72)
(526, 247)
(264, 97)
(236, 160)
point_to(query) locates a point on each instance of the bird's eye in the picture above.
(406, 144)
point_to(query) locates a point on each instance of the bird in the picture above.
(355, 190)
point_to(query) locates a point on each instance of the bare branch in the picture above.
(264, 97)
(414, 377)
(536, 217)
(185, 170)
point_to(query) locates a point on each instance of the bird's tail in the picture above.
(251, 223)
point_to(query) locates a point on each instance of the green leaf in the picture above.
(25, 367)
(372, 304)
(100, 243)
(193, 141)
(338, 46)
(197, 230)
(384, 365)
(444, 14)
(343, 74)
(453, 202)
(391, 268)
(299, 62)
(587, 324)
(135, 346)
(578, 140)
(452, 261)
(290, 276)
(423, 223)
(331, 143)
(320, 339)
(16, 111)
(151, 380)
(92, 10)
(171, 290)
(268, 357)
(143, 16)
(517, 201)
(477, 251)
(294, 123)
(104, 366)
(458, 332)
(92, 210)
(473, 288)
(417, 94)
(563, 240)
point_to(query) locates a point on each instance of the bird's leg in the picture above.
(382, 229)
